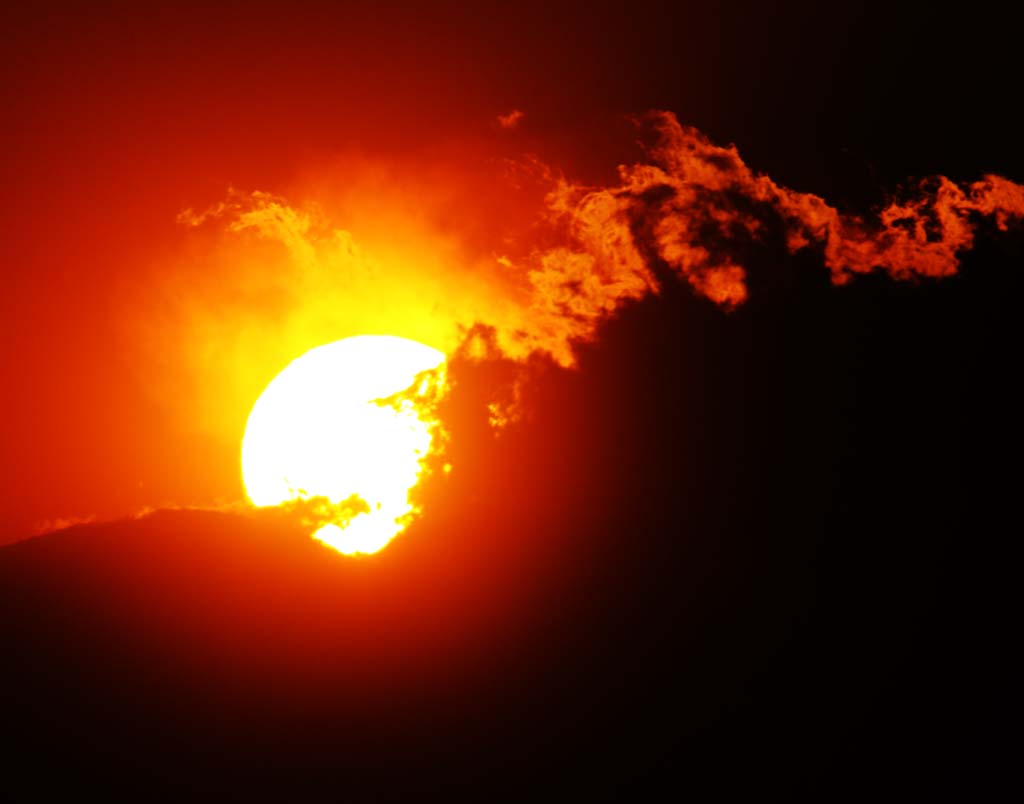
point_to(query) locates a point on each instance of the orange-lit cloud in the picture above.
(512, 119)
(441, 250)
(698, 207)
(261, 279)
(62, 522)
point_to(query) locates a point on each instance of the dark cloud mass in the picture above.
(735, 579)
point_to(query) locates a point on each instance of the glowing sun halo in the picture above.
(325, 428)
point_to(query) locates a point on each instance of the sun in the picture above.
(346, 427)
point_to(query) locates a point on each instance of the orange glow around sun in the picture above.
(346, 428)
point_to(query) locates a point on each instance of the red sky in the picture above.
(120, 117)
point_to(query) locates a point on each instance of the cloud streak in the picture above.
(511, 258)
(698, 208)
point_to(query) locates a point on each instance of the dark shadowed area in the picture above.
(755, 567)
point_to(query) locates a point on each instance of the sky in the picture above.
(124, 118)
(747, 353)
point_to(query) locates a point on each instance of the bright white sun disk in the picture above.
(320, 430)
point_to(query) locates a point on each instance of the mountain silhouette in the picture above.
(729, 554)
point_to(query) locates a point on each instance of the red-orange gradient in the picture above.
(121, 118)
(393, 175)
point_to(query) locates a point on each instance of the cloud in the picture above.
(442, 248)
(511, 120)
(262, 278)
(61, 523)
(698, 208)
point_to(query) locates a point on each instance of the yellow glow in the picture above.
(330, 428)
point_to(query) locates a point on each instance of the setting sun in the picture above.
(342, 426)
